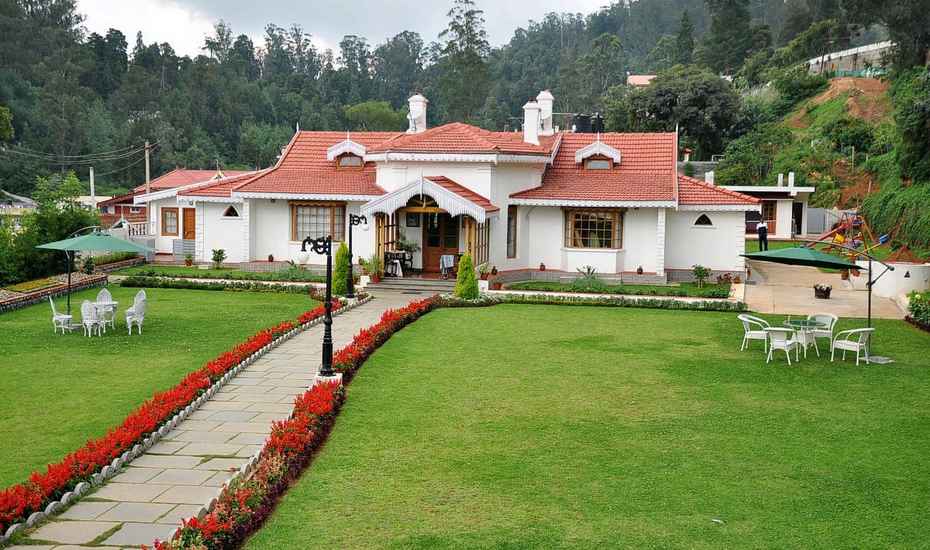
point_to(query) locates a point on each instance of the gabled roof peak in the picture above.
(598, 148)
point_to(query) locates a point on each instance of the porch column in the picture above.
(199, 224)
(660, 242)
(245, 215)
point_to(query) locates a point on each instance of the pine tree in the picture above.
(464, 78)
(729, 40)
(685, 40)
(341, 271)
(466, 285)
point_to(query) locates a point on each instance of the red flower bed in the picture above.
(19, 501)
(245, 504)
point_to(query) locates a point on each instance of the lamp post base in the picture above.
(320, 379)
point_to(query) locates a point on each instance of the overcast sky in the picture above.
(185, 23)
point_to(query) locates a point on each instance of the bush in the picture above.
(588, 281)
(87, 266)
(341, 271)
(466, 285)
(919, 307)
(114, 257)
(219, 256)
(244, 286)
(850, 132)
(796, 83)
(700, 273)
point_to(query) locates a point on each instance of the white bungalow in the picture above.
(518, 201)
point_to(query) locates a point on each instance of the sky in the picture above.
(185, 23)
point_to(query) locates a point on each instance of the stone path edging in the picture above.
(592, 296)
(83, 488)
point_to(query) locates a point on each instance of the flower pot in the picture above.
(375, 278)
(822, 293)
(496, 285)
(188, 263)
(542, 267)
(483, 276)
(271, 257)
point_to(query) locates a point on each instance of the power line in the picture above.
(124, 168)
(89, 155)
(74, 161)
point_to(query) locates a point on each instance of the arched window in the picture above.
(231, 212)
(703, 221)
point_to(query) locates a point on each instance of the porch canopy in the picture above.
(448, 195)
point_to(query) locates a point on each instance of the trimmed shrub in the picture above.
(341, 270)
(466, 285)
(919, 308)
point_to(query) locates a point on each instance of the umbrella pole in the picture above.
(870, 294)
(68, 255)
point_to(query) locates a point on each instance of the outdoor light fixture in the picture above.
(350, 281)
(324, 245)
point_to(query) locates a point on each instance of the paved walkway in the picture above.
(789, 289)
(185, 470)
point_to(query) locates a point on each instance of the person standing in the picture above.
(763, 231)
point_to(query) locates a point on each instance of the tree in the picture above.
(702, 104)
(730, 38)
(797, 20)
(664, 55)
(396, 68)
(908, 24)
(6, 124)
(684, 42)
(604, 66)
(910, 94)
(464, 76)
(466, 285)
(375, 115)
(220, 43)
(341, 271)
(260, 143)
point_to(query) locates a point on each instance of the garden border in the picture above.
(146, 441)
(19, 302)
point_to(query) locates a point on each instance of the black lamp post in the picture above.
(324, 245)
(350, 282)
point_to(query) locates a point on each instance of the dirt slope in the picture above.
(868, 100)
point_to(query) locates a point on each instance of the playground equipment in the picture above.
(848, 235)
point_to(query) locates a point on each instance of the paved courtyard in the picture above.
(788, 289)
(187, 468)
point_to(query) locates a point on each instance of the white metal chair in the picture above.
(136, 314)
(782, 339)
(89, 319)
(60, 320)
(106, 315)
(857, 340)
(827, 319)
(753, 329)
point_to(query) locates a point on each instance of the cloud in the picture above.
(185, 23)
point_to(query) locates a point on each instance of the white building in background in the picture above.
(515, 200)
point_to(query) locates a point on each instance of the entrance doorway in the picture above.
(440, 236)
(189, 232)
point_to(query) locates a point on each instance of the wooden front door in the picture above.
(440, 236)
(190, 219)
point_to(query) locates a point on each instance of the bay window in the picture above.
(593, 229)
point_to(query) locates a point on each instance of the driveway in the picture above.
(787, 289)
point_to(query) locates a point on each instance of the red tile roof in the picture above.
(183, 176)
(458, 137)
(304, 169)
(119, 199)
(646, 172)
(697, 192)
(464, 192)
(221, 188)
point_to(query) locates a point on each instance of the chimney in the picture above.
(781, 180)
(790, 179)
(709, 177)
(545, 100)
(417, 115)
(531, 122)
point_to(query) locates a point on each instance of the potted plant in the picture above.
(372, 267)
(542, 266)
(639, 270)
(271, 257)
(822, 291)
(188, 260)
(483, 271)
(494, 270)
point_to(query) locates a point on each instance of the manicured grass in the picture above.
(709, 290)
(291, 274)
(583, 427)
(59, 391)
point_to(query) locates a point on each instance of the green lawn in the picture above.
(58, 391)
(290, 274)
(709, 290)
(584, 427)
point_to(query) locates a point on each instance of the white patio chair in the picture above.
(89, 318)
(782, 339)
(753, 329)
(106, 315)
(136, 314)
(857, 340)
(827, 319)
(60, 320)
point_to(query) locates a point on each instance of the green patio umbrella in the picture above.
(92, 242)
(815, 258)
(802, 256)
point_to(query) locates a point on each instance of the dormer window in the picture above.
(350, 161)
(598, 164)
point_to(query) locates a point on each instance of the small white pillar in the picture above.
(417, 116)
(545, 100)
(531, 122)
(660, 242)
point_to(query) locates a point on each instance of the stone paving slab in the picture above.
(186, 469)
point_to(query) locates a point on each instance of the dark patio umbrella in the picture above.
(92, 242)
(815, 258)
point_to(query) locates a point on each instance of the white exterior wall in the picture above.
(215, 232)
(783, 210)
(165, 244)
(639, 239)
(271, 233)
(509, 179)
(717, 247)
(474, 175)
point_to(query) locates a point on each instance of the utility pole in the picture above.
(148, 170)
(93, 195)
